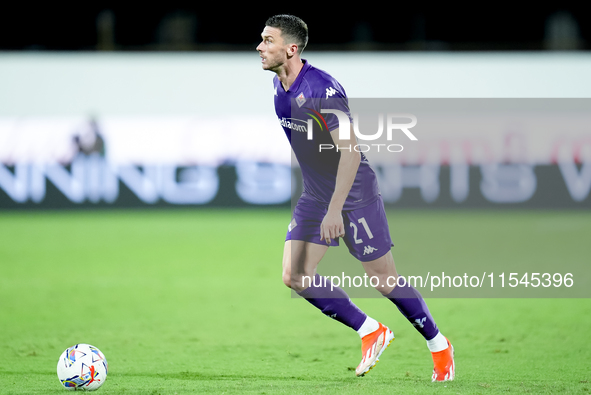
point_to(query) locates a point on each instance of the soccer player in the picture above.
(341, 199)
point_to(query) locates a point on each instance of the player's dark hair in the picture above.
(293, 29)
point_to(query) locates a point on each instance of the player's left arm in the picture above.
(332, 225)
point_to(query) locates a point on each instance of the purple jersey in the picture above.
(312, 91)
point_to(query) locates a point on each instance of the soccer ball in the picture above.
(82, 367)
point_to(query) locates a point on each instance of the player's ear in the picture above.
(292, 49)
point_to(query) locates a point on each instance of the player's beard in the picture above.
(272, 64)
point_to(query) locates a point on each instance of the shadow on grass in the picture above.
(225, 376)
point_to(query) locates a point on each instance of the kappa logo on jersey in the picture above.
(368, 250)
(330, 91)
(275, 91)
(300, 99)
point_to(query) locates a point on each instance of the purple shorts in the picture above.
(367, 234)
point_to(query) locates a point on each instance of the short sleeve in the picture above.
(334, 98)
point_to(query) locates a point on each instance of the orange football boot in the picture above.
(444, 368)
(372, 346)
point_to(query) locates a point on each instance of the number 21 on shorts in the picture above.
(363, 222)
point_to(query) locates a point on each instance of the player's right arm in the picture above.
(332, 225)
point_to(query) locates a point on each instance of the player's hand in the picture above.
(332, 226)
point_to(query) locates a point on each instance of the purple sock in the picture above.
(334, 303)
(411, 304)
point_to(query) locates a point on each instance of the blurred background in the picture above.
(166, 105)
(96, 26)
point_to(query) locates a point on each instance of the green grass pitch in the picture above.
(191, 301)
